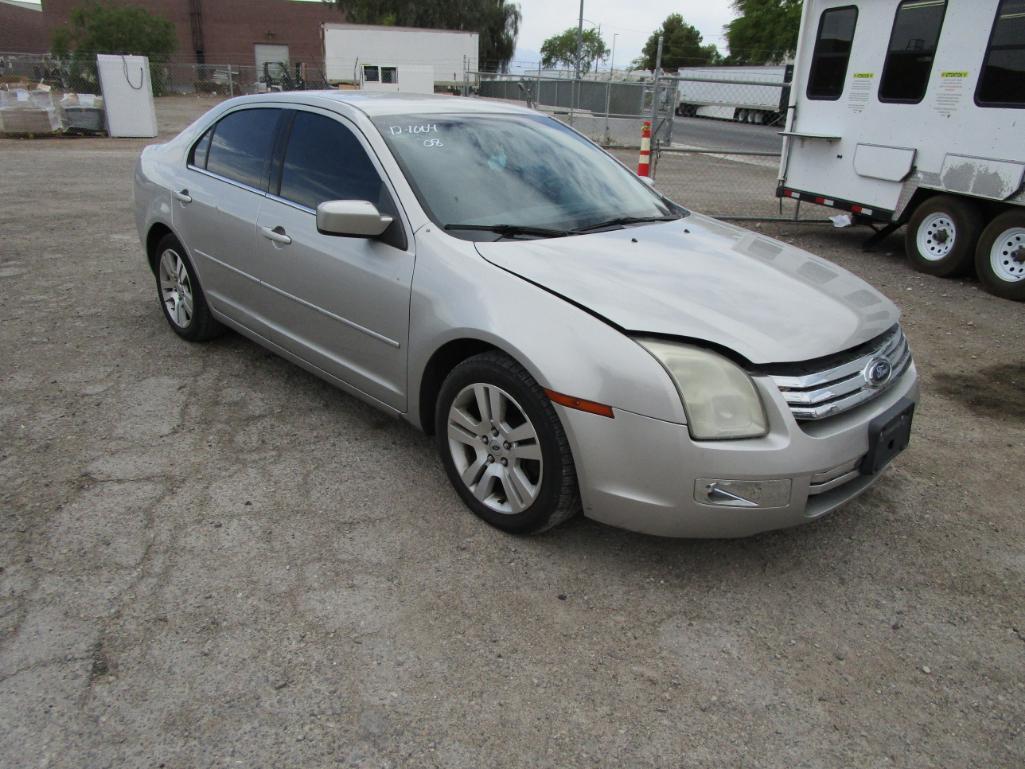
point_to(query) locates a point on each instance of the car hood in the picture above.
(702, 279)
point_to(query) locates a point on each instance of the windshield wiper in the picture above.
(511, 230)
(624, 220)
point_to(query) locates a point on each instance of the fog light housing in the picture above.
(721, 492)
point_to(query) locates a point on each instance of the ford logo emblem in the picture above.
(877, 372)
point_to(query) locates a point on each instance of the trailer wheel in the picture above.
(941, 236)
(1000, 256)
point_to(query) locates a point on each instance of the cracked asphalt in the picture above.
(210, 558)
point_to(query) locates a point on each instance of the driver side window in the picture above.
(325, 161)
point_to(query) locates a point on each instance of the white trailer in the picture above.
(397, 78)
(743, 94)
(911, 113)
(348, 47)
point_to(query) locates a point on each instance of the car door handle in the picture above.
(183, 197)
(277, 234)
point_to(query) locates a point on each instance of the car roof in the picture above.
(378, 103)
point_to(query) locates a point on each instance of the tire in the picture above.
(941, 236)
(1000, 256)
(180, 295)
(540, 491)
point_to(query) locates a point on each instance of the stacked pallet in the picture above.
(29, 112)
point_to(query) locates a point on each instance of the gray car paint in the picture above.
(557, 306)
(702, 279)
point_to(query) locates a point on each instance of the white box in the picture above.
(127, 95)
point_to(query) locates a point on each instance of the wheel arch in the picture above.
(441, 362)
(156, 232)
(916, 195)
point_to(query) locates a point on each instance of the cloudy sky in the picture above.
(632, 22)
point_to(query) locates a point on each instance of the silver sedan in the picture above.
(573, 339)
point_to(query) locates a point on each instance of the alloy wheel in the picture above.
(176, 288)
(495, 448)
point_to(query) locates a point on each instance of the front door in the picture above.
(340, 303)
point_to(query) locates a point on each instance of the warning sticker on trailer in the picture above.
(950, 92)
(860, 92)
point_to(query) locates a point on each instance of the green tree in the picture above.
(765, 32)
(496, 21)
(94, 28)
(681, 46)
(562, 49)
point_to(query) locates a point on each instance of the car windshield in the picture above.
(516, 175)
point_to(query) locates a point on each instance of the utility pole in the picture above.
(654, 103)
(580, 38)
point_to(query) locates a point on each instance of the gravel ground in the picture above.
(210, 558)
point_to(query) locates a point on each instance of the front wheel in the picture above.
(503, 446)
(1000, 256)
(941, 236)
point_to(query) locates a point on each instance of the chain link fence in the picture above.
(79, 75)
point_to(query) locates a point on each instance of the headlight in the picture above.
(719, 397)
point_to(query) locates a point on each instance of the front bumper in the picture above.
(643, 474)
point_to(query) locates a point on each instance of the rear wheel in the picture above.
(1000, 256)
(503, 446)
(941, 236)
(181, 296)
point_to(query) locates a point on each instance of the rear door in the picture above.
(217, 202)
(341, 303)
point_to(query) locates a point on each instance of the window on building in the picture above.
(325, 161)
(832, 53)
(370, 74)
(389, 75)
(241, 146)
(909, 57)
(197, 157)
(1002, 80)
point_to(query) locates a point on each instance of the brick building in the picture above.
(22, 27)
(242, 32)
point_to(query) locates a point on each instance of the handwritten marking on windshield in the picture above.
(425, 128)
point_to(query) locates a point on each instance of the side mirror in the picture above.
(647, 180)
(352, 218)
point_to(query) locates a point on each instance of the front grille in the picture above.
(844, 382)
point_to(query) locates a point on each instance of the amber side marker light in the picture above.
(580, 404)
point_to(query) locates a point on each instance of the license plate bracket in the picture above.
(888, 435)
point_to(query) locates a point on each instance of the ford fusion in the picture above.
(574, 340)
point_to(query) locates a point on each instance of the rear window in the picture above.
(1002, 80)
(832, 53)
(241, 146)
(909, 57)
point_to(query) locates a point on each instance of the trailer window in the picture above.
(1002, 81)
(832, 52)
(389, 75)
(370, 74)
(916, 30)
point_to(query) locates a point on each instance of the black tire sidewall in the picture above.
(990, 281)
(968, 224)
(485, 370)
